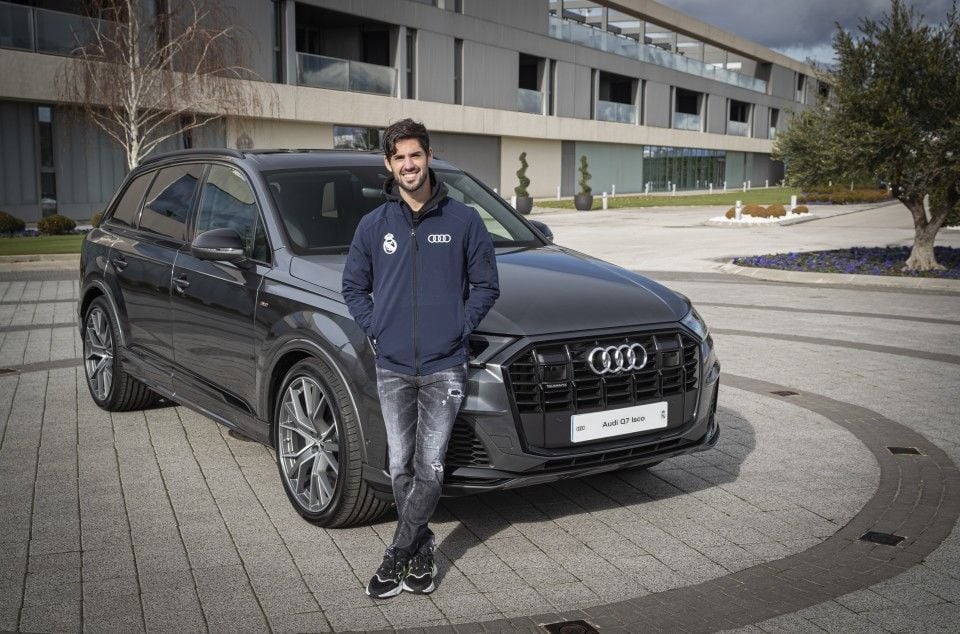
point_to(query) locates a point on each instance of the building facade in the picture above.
(654, 99)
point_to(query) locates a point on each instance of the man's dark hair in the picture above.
(404, 129)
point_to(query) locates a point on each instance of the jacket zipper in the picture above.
(416, 351)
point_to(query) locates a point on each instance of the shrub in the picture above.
(731, 213)
(757, 211)
(776, 211)
(801, 209)
(96, 218)
(584, 176)
(521, 189)
(10, 224)
(56, 224)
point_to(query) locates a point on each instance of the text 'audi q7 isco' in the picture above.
(214, 281)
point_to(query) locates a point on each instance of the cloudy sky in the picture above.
(798, 28)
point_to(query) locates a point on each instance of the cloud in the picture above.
(799, 26)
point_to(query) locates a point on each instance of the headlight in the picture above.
(695, 322)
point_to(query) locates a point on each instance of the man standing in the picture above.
(430, 264)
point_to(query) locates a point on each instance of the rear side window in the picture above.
(168, 201)
(228, 202)
(125, 213)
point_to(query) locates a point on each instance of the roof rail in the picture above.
(216, 151)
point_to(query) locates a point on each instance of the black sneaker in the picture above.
(388, 580)
(420, 574)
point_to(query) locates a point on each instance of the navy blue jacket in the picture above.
(433, 279)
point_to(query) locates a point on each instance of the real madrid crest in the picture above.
(389, 244)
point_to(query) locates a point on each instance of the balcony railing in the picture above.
(529, 101)
(628, 47)
(738, 128)
(344, 74)
(686, 121)
(43, 30)
(614, 111)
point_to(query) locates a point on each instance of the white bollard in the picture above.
(613, 189)
(724, 186)
(495, 191)
(766, 184)
(738, 210)
(830, 184)
(674, 189)
(513, 201)
(604, 197)
(793, 203)
(646, 189)
(558, 192)
(744, 187)
(749, 184)
(711, 188)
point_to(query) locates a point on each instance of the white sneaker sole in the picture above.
(387, 594)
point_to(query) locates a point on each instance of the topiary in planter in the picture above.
(757, 211)
(10, 224)
(524, 202)
(776, 211)
(801, 209)
(55, 224)
(731, 213)
(583, 201)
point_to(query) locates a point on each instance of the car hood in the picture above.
(547, 290)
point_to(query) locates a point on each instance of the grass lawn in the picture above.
(41, 244)
(759, 196)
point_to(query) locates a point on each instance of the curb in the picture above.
(749, 224)
(42, 262)
(850, 279)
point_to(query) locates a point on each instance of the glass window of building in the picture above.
(458, 71)
(357, 138)
(411, 63)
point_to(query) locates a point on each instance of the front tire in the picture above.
(110, 386)
(317, 439)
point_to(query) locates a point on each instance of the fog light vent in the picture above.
(571, 627)
(887, 539)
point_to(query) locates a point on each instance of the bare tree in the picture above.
(144, 76)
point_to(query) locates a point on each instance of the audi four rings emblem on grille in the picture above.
(617, 358)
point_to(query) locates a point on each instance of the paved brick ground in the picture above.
(160, 520)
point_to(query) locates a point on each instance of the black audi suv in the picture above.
(214, 281)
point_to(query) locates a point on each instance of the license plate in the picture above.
(617, 422)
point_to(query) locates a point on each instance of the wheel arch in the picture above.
(98, 288)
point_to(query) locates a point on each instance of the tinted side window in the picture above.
(228, 202)
(168, 202)
(125, 212)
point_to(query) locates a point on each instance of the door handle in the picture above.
(181, 283)
(119, 262)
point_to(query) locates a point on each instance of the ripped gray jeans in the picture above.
(418, 412)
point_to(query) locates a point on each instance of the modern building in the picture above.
(655, 99)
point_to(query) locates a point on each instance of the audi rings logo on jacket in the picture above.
(612, 359)
(438, 238)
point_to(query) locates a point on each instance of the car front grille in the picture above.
(551, 381)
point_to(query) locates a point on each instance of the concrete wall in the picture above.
(435, 71)
(474, 153)
(782, 82)
(573, 90)
(532, 14)
(716, 114)
(19, 187)
(761, 122)
(490, 76)
(658, 111)
(543, 159)
(279, 134)
(613, 164)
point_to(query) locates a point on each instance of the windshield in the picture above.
(321, 206)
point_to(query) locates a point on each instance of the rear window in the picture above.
(125, 213)
(168, 203)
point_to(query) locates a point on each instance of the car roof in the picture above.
(282, 158)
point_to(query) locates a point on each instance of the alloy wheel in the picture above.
(98, 353)
(309, 443)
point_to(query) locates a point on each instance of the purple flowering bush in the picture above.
(861, 260)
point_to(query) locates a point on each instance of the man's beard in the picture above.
(417, 184)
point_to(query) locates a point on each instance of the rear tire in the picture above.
(110, 386)
(317, 439)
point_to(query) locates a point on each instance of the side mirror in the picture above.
(544, 229)
(221, 245)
